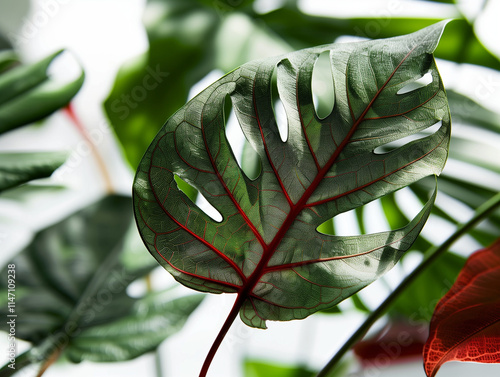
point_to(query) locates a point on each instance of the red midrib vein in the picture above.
(295, 209)
(270, 248)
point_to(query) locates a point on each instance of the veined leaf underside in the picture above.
(267, 248)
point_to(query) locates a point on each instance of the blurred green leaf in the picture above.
(257, 368)
(466, 110)
(150, 321)
(471, 194)
(458, 43)
(32, 193)
(152, 87)
(187, 40)
(7, 60)
(420, 297)
(19, 168)
(4, 43)
(28, 93)
(71, 288)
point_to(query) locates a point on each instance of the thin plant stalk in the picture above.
(431, 255)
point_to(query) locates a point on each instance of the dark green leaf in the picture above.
(150, 321)
(19, 168)
(421, 296)
(7, 60)
(71, 290)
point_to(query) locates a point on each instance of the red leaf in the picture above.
(466, 322)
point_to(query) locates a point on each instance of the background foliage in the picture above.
(188, 40)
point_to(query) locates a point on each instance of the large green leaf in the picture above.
(266, 247)
(71, 290)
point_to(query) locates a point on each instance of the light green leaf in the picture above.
(261, 369)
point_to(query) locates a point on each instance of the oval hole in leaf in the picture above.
(196, 197)
(279, 109)
(322, 86)
(234, 134)
(209, 209)
(247, 158)
(369, 218)
(386, 148)
(251, 164)
(417, 84)
(186, 188)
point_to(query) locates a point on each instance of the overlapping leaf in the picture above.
(465, 324)
(266, 247)
(28, 94)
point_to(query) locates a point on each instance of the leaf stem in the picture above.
(222, 333)
(430, 256)
(100, 162)
(51, 360)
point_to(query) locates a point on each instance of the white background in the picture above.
(102, 35)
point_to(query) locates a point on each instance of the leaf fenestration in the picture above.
(267, 248)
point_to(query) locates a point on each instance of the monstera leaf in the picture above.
(266, 246)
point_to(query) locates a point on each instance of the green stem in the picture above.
(158, 363)
(431, 255)
(23, 360)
